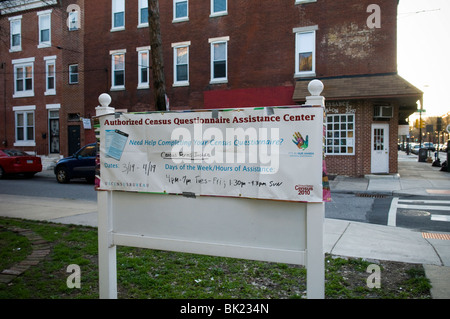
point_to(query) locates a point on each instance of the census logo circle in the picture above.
(304, 189)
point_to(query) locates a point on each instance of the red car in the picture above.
(17, 162)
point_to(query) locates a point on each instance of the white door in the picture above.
(380, 148)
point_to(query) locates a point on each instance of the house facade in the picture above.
(249, 53)
(42, 89)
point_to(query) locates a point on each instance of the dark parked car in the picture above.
(79, 165)
(17, 162)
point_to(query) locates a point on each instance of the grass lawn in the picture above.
(151, 274)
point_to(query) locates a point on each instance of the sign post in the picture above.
(160, 174)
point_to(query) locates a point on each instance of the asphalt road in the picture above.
(44, 184)
(415, 212)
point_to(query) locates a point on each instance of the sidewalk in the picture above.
(342, 238)
(353, 239)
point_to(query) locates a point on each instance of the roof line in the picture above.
(347, 76)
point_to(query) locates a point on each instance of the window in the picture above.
(305, 51)
(340, 134)
(143, 13)
(219, 72)
(73, 73)
(218, 7)
(44, 29)
(23, 77)
(73, 20)
(118, 15)
(180, 10)
(16, 33)
(118, 70)
(143, 67)
(50, 87)
(181, 63)
(24, 125)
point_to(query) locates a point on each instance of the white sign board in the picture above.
(239, 153)
(272, 160)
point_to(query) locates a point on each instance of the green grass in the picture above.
(145, 273)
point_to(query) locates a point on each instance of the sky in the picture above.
(423, 50)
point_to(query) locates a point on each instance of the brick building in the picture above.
(239, 53)
(42, 90)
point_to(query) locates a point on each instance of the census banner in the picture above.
(263, 153)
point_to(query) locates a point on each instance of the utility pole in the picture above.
(159, 84)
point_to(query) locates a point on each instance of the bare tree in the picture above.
(157, 55)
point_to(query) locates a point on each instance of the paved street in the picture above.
(384, 205)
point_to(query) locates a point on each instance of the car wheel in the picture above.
(2, 172)
(62, 176)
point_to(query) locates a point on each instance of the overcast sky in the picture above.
(424, 50)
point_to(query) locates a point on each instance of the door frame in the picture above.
(375, 165)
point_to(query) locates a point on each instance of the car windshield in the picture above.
(14, 153)
(88, 151)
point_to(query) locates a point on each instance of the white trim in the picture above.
(299, 31)
(53, 106)
(181, 19)
(140, 51)
(142, 48)
(49, 11)
(305, 29)
(12, 20)
(181, 44)
(213, 41)
(141, 24)
(113, 86)
(51, 57)
(24, 108)
(175, 47)
(304, 1)
(112, 52)
(218, 13)
(23, 63)
(113, 28)
(50, 60)
(219, 39)
(24, 60)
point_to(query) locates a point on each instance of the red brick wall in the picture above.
(260, 51)
(360, 163)
(68, 48)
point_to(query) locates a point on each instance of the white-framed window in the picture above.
(219, 7)
(73, 73)
(15, 34)
(50, 75)
(180, 10)
(143, 67)
(181, 63)
(73, 20)
(23, 77)
(24, 125)
(340, 134)
(219, 59)
(118, 69)
(45, 34)
(305, 51)
(143, 13)
(118, 15)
